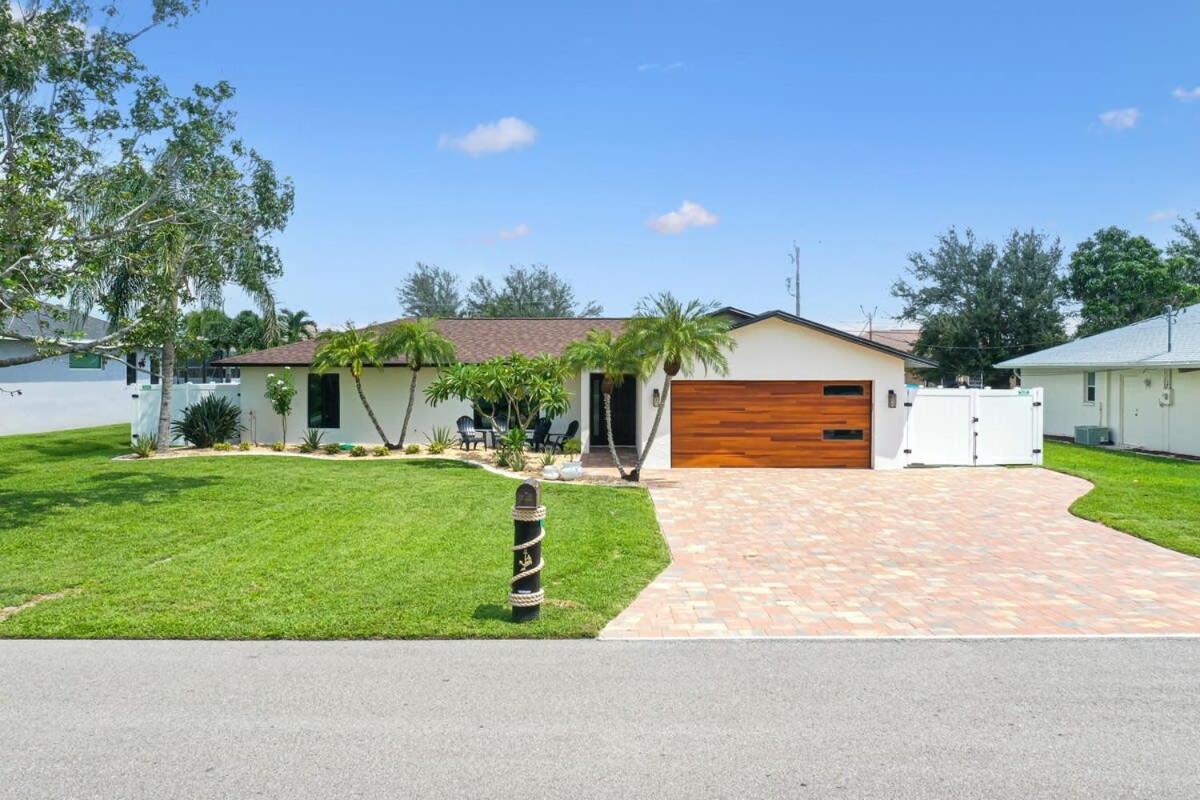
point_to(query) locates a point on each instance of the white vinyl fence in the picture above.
(973, 427)
(147, 398)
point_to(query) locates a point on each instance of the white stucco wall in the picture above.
(1064, 405)
(1176, 427)
(778, 350)
(55, 397)
(386, 391)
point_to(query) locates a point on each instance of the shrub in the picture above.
(441, 440)
(511, 449)
(146, 446)
(222, 447)
(310, 442)
(380, 451)
(331, 449)
(548, 459)
(572, 447)
(213, 419)
(244, 446)
(280, 391)
(358, 451)
(278, 447)
(412, 449)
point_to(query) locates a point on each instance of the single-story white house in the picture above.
(1142, 382)
(798, 394)
(68, 391)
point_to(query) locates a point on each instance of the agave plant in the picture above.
(213, 419)
(146, 446)
(310, 442)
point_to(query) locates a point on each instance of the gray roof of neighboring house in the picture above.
(54, 322)
(1142, 344)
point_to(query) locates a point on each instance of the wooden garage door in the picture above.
(771, 424)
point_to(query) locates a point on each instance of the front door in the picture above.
(624, 413)
(1142, 418)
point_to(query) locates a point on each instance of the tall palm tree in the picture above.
(421, 345)
(352, 349)
(616, 358)
(680, 338)
(295, 326)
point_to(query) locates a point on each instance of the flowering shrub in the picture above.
(281, 391)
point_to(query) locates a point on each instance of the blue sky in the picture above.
(859, 131)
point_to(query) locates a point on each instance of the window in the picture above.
(324, 403)
(842, 434)
(130, 368)
(1089, 387)
(842, 390)
(84, 361)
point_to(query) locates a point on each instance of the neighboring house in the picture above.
(1128, 380)
(798, 393)
(68, 391)
(902, 339)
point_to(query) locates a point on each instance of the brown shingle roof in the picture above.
(475, 339)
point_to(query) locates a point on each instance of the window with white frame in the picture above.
(1089, 387)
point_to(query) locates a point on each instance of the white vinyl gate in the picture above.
(973, 427)
(147, 398)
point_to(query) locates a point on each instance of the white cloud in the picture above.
(1186, 95)
(646, 67)
(1120, 119)
(1163, 215)
(508, 133)
(689, 215)
(516, 233)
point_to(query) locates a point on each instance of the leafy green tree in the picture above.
(1118, 278)
(249, 332)
(421, 345)
(281, 391)
(430, 291)
(295, 326)
(76, 107)
(221, 202)
(679, 338)
(352, 349)
(978, 305)
(524, 387)
(616, 358)
(526, 292)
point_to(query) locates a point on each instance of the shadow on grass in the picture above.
(492, 611)
(26, 507)
(82, 447)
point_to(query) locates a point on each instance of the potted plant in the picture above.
(573, 468)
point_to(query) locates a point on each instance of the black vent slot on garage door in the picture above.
(842, 434)
(842, 390)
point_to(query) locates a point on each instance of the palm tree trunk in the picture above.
(167, 384)
(370, 412)
(612, 447)
(167, 381)
(666, 392)
(412, 393)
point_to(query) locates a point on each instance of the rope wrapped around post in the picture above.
(525, 587)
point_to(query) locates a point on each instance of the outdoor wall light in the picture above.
(891, 398)
(656, 398)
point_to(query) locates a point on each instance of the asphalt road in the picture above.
(899, 719)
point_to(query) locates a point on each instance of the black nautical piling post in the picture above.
(525, 589)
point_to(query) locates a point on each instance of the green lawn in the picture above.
(1157, 499)
(250, 547)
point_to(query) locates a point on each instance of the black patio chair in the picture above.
(541, 430)
(468, 437)
(555, 440)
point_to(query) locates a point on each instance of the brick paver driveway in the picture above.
(900, 553)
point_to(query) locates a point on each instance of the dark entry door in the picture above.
(624, 413)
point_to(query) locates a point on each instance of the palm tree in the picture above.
(352, 349)
(421, 345)
(295, 326)
(616, 358)
(680, 338)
